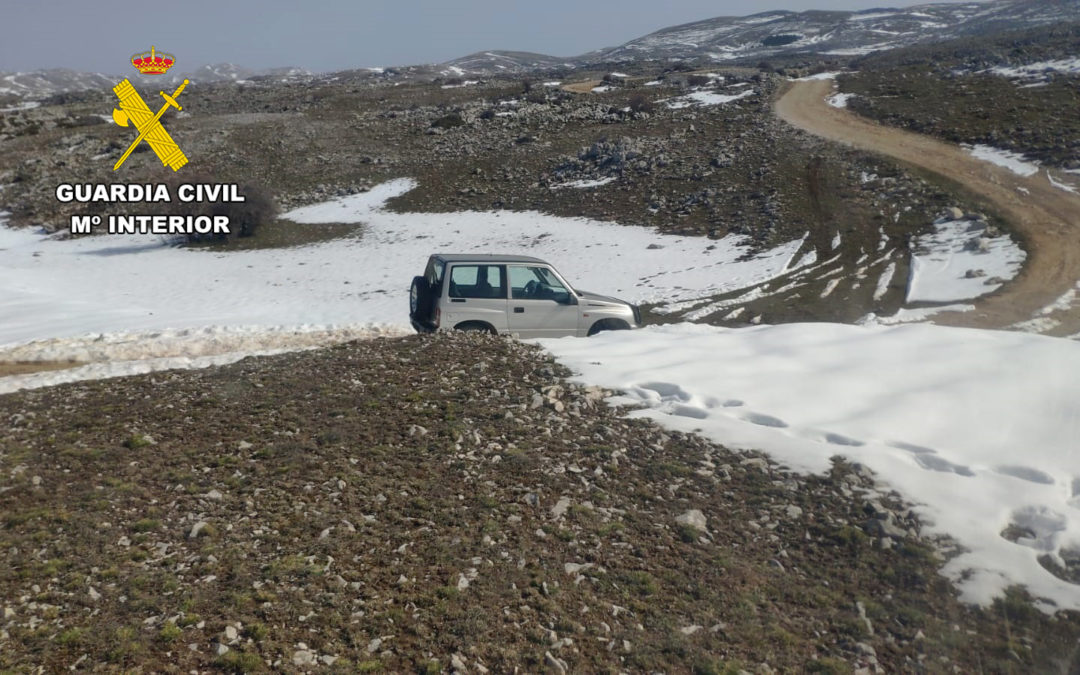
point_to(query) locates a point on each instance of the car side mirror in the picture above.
(571, 299)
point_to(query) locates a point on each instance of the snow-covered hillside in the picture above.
(39, 84)
(837, 33)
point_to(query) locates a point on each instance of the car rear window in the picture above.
(478, 281)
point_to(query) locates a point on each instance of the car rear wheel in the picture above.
(475, 327)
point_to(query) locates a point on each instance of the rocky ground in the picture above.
(945, 90)
(448, 503)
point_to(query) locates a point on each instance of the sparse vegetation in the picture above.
(369, 523)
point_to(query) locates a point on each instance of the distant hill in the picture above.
(39, 84)
(752, 38)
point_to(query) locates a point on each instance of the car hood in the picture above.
(590, 298)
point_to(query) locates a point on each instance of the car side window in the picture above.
(478, 281)
(536, 283)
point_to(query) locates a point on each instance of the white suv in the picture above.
(507, 294)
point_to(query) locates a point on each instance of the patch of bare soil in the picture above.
(582, 87)
(450, 503)
(1046, 217)
(27, 367)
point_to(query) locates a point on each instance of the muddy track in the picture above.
(1045, 216)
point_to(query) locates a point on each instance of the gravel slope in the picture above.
(449, 503)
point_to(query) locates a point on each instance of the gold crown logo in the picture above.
(152, 63)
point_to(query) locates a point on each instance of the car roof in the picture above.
(487, 258)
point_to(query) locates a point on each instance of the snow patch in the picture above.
(819, 76)
(1038, 70)
(1060, 186)
(1012, 161)
(975, 448)
(68, 288)
(959, 262)
(581, 184)
(704, 98)
(884, 280)
(26, 105)
(839, 100)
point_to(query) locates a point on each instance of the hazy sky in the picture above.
(101, 35)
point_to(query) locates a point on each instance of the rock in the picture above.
(374, 645)
(690, 630)
(865, 619)
(197, 528)
(793, 511)
(694, 518)
(221, 650)
(244, 445)
(953, 213)
(303, 657)
(757, 462)
(328, 660)
(457, 662)
(214, 495)
(887, 527)
(94, 595)
(560, 508)
(230, 632)
(573, 568)
(555, 663)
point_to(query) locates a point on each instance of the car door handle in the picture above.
(457, 299)
(519, 310)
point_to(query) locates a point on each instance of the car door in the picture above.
(540, 304)
(476, 292)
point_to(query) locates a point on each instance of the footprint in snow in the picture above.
(1025, 473)
(929, 459)
(765, 420)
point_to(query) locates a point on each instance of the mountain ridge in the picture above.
(726, 40)
(738, 40)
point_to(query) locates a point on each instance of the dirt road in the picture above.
(1045, 216)
(582, 87)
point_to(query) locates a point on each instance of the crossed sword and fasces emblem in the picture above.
(134, 109)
